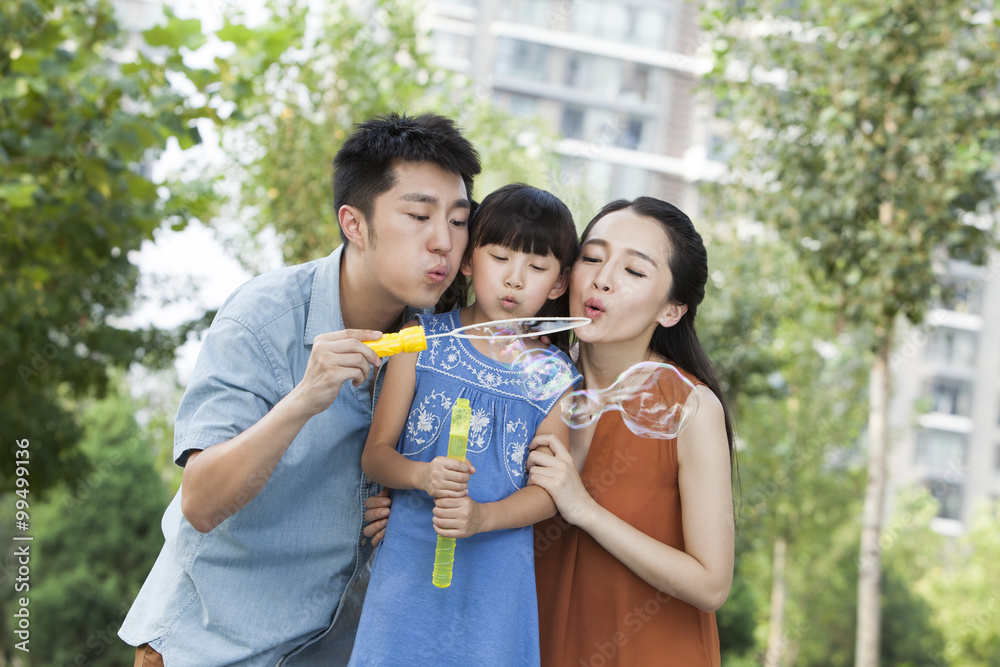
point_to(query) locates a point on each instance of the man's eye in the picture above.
(459, 223)
(417, 216)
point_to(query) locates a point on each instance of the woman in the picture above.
(642, 555)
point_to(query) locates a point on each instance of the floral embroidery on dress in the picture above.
(424, 422)
(514, 449)
(479, 432)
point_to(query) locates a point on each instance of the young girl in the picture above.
(642, 555)
(522, 245)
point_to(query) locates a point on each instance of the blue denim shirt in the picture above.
(280, 582)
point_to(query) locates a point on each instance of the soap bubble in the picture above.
(656, 401)
(544, 374)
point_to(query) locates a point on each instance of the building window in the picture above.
(522, 105)
(522, 59)
(532, 12)
(951, 397)
(617, 22)
(996, 465)
(941, 451)
(960, 295)
(949, 496)
(952, 346)
(572, 123)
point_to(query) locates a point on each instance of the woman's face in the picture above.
(622, 279)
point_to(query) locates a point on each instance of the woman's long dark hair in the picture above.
(688, 264)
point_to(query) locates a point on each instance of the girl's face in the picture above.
(622, 280)
(510, 283)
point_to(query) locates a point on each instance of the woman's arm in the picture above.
(463, 517)
(440, 478)
(701, 575)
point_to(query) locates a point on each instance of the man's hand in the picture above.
(335, 358)
(376, 516)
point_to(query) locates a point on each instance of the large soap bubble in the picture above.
(655, 399)
(544, 374)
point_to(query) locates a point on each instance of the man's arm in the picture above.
(222, 479)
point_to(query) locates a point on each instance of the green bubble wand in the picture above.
(458, 439)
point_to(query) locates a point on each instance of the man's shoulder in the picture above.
(272, 295)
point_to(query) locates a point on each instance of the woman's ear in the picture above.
(559, 288)
(354, 226)
(672, 314)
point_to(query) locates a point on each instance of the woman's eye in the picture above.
(636, 273)
(585, 258)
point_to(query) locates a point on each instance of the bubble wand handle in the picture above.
(458, 439)
(410, 339)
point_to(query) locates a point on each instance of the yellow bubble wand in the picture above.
(414, 339)
(458, 439)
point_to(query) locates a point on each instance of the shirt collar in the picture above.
(324, 303)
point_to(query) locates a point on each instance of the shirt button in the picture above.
(364, 541)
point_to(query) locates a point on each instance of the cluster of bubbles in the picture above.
(655, 399)
(544, 374)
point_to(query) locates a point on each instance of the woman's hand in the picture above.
(457, 517)
(376, 516)
(556, 472)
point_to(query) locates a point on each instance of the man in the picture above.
(264, 560)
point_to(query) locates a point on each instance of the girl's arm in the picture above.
(703, 573)
(463, 517)
(440, 478)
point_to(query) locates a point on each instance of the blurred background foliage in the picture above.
(80, 125)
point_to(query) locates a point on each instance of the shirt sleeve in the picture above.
(234, 384)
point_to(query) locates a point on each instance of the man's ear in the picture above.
(354, 226)
(672, 314)
(560, 286)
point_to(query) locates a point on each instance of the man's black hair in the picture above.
(364, 166)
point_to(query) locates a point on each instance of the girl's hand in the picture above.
(376, 516)
(557, 474)
(443, 477)
(457, 517)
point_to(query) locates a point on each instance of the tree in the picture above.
(966, 601)
(96, 541)
(866, 134)
(798, 410)
(77, 132)
(298, 94)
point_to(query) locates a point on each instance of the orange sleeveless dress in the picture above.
(593, 611)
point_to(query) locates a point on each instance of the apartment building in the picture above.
(946, 404)
(614, 78)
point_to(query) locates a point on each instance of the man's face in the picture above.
(417, 234)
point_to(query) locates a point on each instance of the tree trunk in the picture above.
(776, 633)
(870, 562)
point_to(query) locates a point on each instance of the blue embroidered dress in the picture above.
(489, 614)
